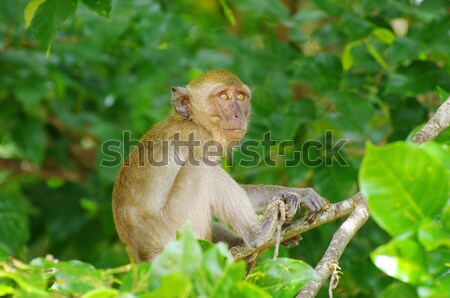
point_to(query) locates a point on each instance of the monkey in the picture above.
(172, 177)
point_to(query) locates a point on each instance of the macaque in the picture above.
(174, 176)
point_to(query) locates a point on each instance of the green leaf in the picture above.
(446, 217)
(137, 280)
(403, 49)
(48, 16)
(354, 111)
(403, 185)
(76, 277)
(173, 285)
(232, 274)
(14, 231)
(440, 288)
(183, 255)
(243, 289)
(101, 293)
(101, 7)
(347, 58)
(228, 12)
(399, 290)
(431, 235)
(30, 92)
(403, 259)
(335, 183)
(384, 35)
(418, 78)
(215, 260)
(30, 279)
(6, 290)
(30, 10)
(29, 136)
(443, 94)
(323, 72)
(282, 277)
(377, 56)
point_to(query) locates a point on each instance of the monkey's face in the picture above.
(231, 110)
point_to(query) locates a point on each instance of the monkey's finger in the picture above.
(290, 243)
(311, 217)
(318, 203)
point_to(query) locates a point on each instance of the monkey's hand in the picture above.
(263, 230)
(306, 197)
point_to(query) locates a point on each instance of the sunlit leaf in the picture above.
(384, 35)
(30, 10)
(77, 277)
(431, 235)
(403, 185)
(403, 259)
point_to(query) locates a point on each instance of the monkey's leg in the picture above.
(221, 233)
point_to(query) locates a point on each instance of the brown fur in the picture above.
(151, 203)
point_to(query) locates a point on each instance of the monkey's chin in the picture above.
(234, 134)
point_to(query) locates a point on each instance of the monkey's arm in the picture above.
(261, 195)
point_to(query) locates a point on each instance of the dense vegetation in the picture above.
(369, 71)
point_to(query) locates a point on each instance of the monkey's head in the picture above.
(218, 101)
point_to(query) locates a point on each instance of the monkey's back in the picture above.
(151, 202)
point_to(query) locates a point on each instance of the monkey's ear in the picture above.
(181, 99)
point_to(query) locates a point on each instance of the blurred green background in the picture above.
(366, 70)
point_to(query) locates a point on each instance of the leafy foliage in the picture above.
(365, 70)
(409, 206)
(196, 273)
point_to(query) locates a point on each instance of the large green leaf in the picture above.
(48, 16)
(403, 259)
(282, 277)
(403, 184)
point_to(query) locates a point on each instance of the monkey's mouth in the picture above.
(235, 133)
(235, 130)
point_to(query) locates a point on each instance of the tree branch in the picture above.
(437, 124)
(337, 246)
(331, 213)
(356, 206)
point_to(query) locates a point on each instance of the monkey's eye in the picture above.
(240, 97)
(223, 96)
